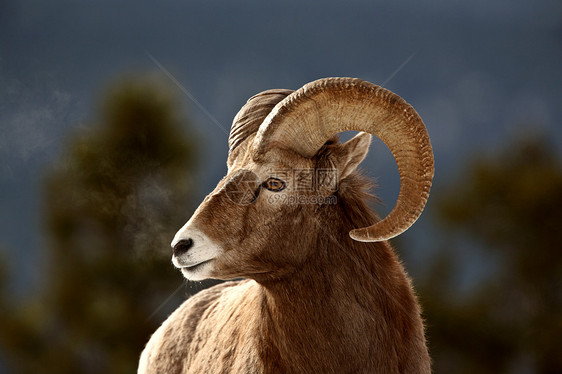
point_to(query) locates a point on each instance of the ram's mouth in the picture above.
(198, 271)
(199, 265)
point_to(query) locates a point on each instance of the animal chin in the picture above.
(198, 271)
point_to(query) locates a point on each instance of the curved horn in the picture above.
(249, 118)
(307, 118)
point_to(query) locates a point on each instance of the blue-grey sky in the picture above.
(479, 73)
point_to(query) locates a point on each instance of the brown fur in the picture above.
(316, 302)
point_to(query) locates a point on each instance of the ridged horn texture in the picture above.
(250, 117)
(310, 116)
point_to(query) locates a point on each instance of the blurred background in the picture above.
(114, 119)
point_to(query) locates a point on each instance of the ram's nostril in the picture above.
(182, 246)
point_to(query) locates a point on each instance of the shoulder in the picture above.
(168, 348)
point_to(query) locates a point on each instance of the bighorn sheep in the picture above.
(324, 290)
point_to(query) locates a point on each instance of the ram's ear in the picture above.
(349, 155)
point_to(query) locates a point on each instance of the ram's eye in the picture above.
(274, 184)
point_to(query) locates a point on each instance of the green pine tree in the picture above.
(111, 205)
(509, 208)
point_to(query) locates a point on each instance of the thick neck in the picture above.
(346, 302)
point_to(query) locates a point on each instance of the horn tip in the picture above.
(365, 235)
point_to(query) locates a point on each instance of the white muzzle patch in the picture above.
(197, 262)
